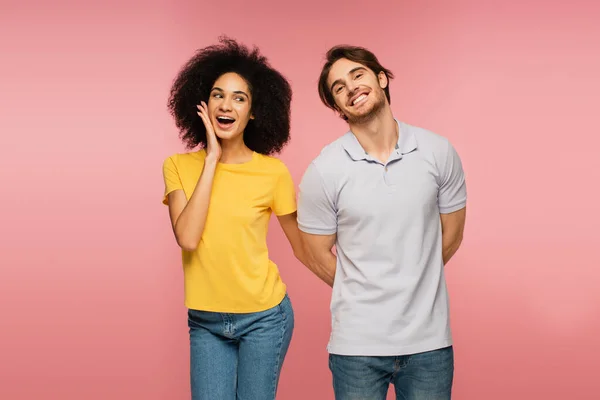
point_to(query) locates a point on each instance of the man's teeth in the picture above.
(359, 98)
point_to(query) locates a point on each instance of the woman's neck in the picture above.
(235, 151)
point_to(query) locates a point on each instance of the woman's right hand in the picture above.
(213, 148)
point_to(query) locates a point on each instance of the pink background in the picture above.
(91, 283)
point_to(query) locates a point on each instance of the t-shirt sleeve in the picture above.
(171, 178)
(452, 194)
(284, 197)
(316, 210)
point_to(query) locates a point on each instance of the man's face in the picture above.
(357, 91)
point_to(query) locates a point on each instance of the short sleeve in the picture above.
(452, 194)
(171, 178)
(284, 196)
(316, 211)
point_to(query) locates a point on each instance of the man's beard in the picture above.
(365, 117)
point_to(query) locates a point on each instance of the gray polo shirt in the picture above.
(389, 296)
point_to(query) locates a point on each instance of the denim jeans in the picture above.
(238, 356)
(422, 376)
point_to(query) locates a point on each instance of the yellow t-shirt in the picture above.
(230, 270)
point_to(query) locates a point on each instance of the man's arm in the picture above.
(453, 225)
(318, 256)
(317, 221)
(452, 201)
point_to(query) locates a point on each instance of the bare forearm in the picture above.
(450, 246)
(453, 225)
(323, 266)
(190, 224)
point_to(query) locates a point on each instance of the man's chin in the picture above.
(366, 114)
(357, 118)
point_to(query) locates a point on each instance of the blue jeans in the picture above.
(238, 356)
(422, 376)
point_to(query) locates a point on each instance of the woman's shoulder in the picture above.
(189, 158)
(272, 163)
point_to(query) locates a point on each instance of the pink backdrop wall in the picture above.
(91, 284)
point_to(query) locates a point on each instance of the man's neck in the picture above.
(379, 135)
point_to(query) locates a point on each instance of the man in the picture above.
(391, 197)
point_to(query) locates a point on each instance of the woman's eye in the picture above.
(358, 76)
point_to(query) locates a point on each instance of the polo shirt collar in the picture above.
(406, 143)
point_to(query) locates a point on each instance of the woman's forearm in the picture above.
(190, 223)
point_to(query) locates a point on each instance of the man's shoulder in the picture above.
(332, 153)
(329, 164)
(426, 138)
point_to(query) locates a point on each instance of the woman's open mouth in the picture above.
(225, 122)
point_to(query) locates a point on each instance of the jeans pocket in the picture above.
(193, 320)
(287, 313)
(202, 319)
(286, 307)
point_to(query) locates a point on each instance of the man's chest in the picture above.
(400, 190)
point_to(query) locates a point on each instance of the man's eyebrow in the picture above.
(338, 81)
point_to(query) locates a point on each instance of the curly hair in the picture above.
(269, 131)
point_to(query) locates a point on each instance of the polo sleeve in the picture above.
(284, 196)
(452, 194)
(171, 178)
(316, 211)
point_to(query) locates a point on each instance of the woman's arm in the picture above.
(289, 224)
(311, 250)
(189, 217)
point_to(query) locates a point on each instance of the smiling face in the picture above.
(229, 106)
(358, 93)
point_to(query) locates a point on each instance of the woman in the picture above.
(230, 102)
